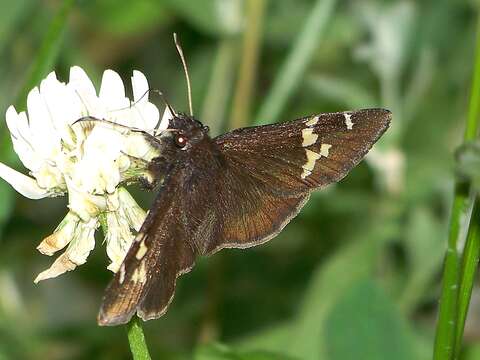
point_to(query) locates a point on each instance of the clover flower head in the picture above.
(68, 153)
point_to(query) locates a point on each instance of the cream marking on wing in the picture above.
(312, 157)
(309, 138)
(306, 173)
(348, 121)
(140, 274)
(122, 274)
(312, 121)
(140, 236)
(324, 149)
(142, 250)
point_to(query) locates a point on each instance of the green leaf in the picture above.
(223, 352)
(468, 272)
(358, 324)
(447, 327)
(351, 264)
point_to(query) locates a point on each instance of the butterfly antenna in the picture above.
(185, 69)
(164, 99)
(132, 104)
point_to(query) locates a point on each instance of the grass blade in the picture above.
(447, 326)
(447, 319)
(290, 74)
(467, 275)
(248, 66)
(220, 85)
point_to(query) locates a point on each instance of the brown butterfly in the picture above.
(237, 190)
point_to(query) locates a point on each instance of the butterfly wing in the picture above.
(159, 254)
(201, 213)
(241, 211)
(307, 153)
(239, 191)
(284, 163)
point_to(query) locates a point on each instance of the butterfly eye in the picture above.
(180, 141)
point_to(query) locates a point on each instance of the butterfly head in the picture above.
(174, 146)
(183, 132)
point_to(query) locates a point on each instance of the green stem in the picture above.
(219, 88)
(448, 328)
(136, 339)
(447, 319)
(467, 275)
(248, 66)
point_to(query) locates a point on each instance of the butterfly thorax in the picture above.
(185, 145)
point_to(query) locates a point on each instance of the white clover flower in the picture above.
(87, 160)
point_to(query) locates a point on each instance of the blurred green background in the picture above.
(357, 274)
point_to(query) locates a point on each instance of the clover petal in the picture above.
(69, 149)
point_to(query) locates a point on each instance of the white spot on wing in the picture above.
(306, 173)
(324, 149)
(122, 273)
(309, 138)
(142, 250)
(140, 274)
(140, 236)
(312, 157)
(312, 121)
(348, 121)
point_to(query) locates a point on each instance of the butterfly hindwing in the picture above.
(159, 254)
(238, 210)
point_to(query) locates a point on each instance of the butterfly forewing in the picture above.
(235, 191)
(306, 153)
